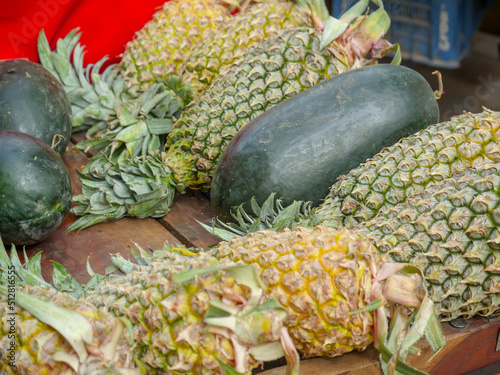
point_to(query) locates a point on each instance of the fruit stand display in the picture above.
(256, 187)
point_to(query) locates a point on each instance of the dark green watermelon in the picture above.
(35, 189)
(34, 102)
(301, 146)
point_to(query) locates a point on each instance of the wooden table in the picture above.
(467, 348)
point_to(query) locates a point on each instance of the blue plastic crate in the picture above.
(433, 32)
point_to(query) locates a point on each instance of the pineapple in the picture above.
(173, 329)
(204, 321)
(411, 166)
(321, 276)
(33, 346)
(162, 45)
(278, 67)
(450, 231)
(244, 30)
(336, 288)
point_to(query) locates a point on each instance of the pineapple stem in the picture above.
(439, 92)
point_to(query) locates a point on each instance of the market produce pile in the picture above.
(271, 69)
(401, 242)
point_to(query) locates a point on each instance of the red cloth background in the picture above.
(106, 25)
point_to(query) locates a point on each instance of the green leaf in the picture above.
(333, 29)
(223, 234)
(228, 369)
(434, 333)
(63, 281)
(160, 126)
(125, 116)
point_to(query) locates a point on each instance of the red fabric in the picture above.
(106, 25)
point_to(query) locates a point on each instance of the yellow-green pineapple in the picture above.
(411, 166)
(173, 325)
(33, 346)
(231, 42)
(191, 316)
(159, 48)
(320, 275)
(450, 231)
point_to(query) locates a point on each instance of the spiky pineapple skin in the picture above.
(450, 231)
(320, 275)
(278, 67)
(240, 32)
(163, 44)
(410, 166)
(36, 342)
(167, 318)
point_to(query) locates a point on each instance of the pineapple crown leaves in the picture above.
(270, 215)
(363, 32)
(140, 125)
(93, 95)
(29, 273)
(140, 187)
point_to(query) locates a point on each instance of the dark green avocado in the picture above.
(35, 189)
(34, 102)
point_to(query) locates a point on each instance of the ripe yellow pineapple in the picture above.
(92, 341)
(328, 280)
(192, 316)
(329, 283)
(321, 276)
(194, 38)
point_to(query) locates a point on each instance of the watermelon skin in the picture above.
(34, 102)
(35, 189)
(299, 148)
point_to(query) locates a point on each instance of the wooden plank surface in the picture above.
(466, 349)
(187, 210)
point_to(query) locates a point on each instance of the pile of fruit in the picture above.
(371, 221)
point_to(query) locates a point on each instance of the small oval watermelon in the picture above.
(34, 102)
(35, 189)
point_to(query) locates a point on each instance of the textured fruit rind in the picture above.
(450, 231)
(411, 165)
(169, 331)
(35, 343)
(320, 275)
(271, 71)
(239, 33)
(163, 44)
